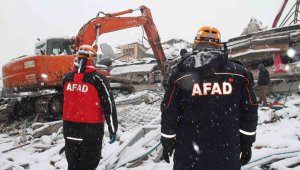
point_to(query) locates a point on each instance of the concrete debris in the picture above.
(46, 129)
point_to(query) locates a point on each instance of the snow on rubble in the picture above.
(172, 47)
(35, 146)
(132, 68)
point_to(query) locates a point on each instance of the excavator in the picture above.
(32, 84)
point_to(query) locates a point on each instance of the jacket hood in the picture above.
(204, 61)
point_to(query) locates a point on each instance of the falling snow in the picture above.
(277, 133)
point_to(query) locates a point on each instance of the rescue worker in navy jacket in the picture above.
(263, 82)
(209, 110)
(88, 102)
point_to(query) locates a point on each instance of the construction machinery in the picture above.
(277, 48)
(32, 84)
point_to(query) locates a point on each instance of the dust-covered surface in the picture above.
(32, 145)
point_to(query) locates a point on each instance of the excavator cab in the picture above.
(54, 46)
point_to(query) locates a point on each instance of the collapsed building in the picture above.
(277, 48)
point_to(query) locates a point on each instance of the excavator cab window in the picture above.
(59, 47)
(67, 47)
(40, 49)
(56, 48)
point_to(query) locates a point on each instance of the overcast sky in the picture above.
(23, 21)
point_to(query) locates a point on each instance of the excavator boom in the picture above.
(90, 32)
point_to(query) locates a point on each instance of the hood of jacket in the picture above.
(205, 61)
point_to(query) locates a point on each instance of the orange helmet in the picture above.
(86, 51)
(208, 34)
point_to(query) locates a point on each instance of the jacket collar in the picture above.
(85, 66)
(206, 62)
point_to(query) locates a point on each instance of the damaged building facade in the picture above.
(137, 67)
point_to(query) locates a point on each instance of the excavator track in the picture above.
(45, 106)
(7, 109)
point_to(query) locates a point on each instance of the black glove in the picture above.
(112, 137)
(168, 147)
(246, 154)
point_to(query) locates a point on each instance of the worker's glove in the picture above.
(112, 137)
(168, 147)
(246, 154)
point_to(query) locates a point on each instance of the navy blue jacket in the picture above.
(263, 77)
(210, 107)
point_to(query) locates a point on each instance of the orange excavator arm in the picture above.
(90, 32)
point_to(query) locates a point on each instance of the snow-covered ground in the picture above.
(277, 139)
